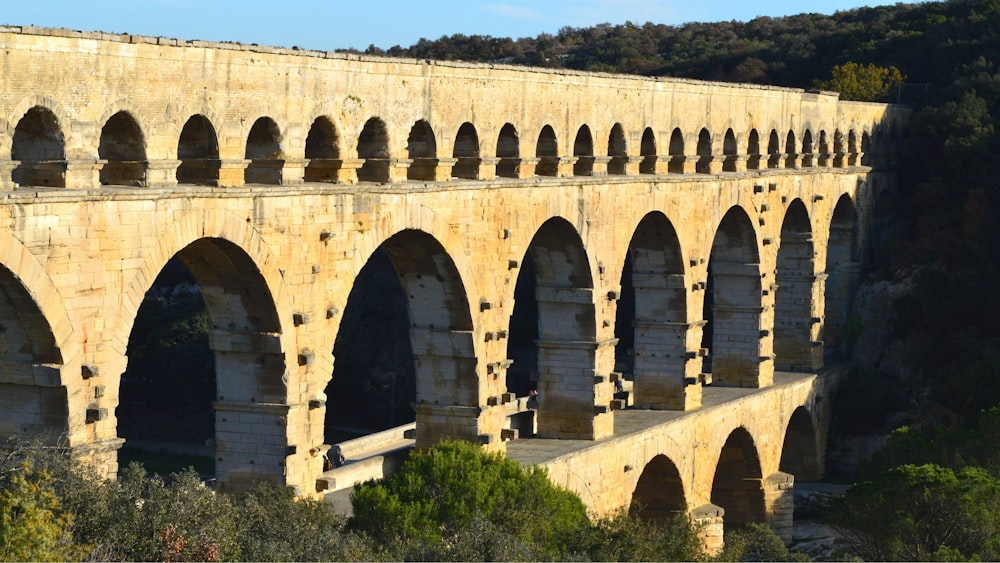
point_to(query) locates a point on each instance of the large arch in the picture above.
(566, 349)
(800, 451)
(123, 146)
(198, 151)
(466, 153)
(263, 150)
(421, 149)
(733, 305)
(843, 270)
(795, 349)
(322, 151)
(373, 149)
(659, 493)
(39, 146)
(651, 324)
(738, 483)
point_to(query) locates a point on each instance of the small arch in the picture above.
(583, 150)
(466, 152)
(647, 150)
(729, 151)
(773, 150)
(617, 150)
(40, 148)
(421, 149)
(866, 149)
(807, 149)
(509, 152)
(793, 301)
(753, 150)
(123, 146)
(676, 149)
(547, 152)
(737, 486)
(198, 151)
(704, 163)
(852, 146)
(322, 151)
(791, 151)
(800, 452)
(264, 153)
(659, 494)
(373, 148)
(824, 149)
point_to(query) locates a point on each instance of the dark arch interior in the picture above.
(753, 150)
(508, 152)
(773, 150)
(843, 272)
(198, 151)
(467, 153)
(737, 486)
(421, 148)
(676, 165)
(33, 401)
(323, 151)
(373, 148)
(704, 152)
(617, 150)
(39, 146)
(659, 494)
(793, 343)
(799, 455)
(123, 147)
(583, 150)
(729, 150)
(264, 153)
(647, 150)
(522, 375)
(547, 151)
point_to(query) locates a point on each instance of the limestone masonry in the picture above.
(274, 174)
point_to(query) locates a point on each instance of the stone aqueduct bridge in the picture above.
(275, 174)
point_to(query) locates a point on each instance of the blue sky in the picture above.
(334, 24)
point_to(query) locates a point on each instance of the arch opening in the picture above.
(808, 154)
(677, 158)
(617, 150)
(509, 152)
(565, 324)
(843, 272)
(704, 164)
(659, 494)
(373, 148)
(583, 151)
(773, 150)
(198, 151)
(322, 151)
(421, 149)
(467, 153)
(737, 486)
(547, 152)
(34, 404)
(753, 150)
(40, 149)
(264, 153)
(795, 347)
(732, 306)
(799, 451)
(647, 150)
(729, 151)
(791, 151)
(123, 146)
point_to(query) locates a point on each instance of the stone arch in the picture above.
(677, 158)
(547, 152)
(852, 147)
(556, 272)
(843, 270)
(198, 151)
(659, 493)
(866, 149)
(704, 149)
(773, 150)
(753, 150)
(421, 149)
(795, 348)
(733, 305)
(807, 149)
(791, 151)
(729, 151)
(651, 323)
(373, 148)
(617, 150)
(647, 150)
(323, 150)
(466, 152)
(509, 152)
(263, 150)
(39, 145)
(738, 483)
(824, 149)
(583, 151)
(800, 451)
(123, 145)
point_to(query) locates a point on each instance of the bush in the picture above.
(32, 526)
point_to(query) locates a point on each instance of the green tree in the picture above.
(441, 491)
(32, 526)
(863, 83)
